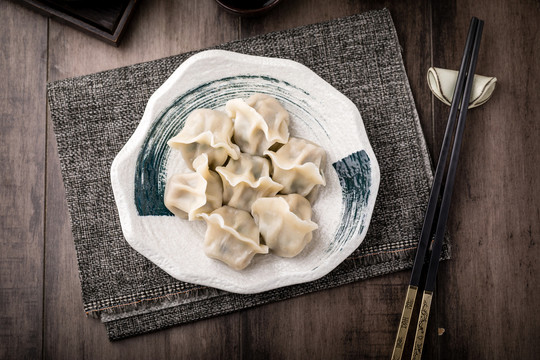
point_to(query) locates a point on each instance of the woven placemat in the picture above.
(94, 115)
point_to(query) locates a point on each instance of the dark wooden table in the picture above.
(487, 302)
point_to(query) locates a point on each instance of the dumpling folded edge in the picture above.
(208, 192)
(283, 206)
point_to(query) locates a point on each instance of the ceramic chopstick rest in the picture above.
(443, 81)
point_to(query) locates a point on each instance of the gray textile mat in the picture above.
(94, 115)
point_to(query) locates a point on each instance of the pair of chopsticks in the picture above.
(460, 103)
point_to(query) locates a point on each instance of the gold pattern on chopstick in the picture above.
(404, 322)
(422, 325)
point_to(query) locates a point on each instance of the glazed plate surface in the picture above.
(318, 113)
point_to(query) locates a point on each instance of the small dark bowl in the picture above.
(248, 8)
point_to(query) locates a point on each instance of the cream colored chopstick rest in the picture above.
(443, 81)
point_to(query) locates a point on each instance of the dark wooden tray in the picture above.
(105, 20)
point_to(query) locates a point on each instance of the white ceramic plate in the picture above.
(318, 112)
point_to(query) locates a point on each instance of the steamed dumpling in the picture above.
(298, 166)
(238, 200)
(206, 132)
(189, 195)
(232, 237)
(285, 223)
(259, 123)
(245, 180)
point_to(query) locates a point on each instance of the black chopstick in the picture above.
(439, 172)
(445, 204)
(433, 200)
(460, 101)
(450, 178)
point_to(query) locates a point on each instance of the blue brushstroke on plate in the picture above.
(354, 173)
(151, 166)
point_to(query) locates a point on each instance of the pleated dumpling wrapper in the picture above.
(206, 132)
(298, 166)
(285, 223)
(191, 194)
(232, 237)
(245, 180)
(259, 123)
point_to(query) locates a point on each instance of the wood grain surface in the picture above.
(23, 72)
(487, 297)
(495, 217)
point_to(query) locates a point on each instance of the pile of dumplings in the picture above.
(250, 181)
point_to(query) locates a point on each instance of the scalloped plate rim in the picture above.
(149, 116)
